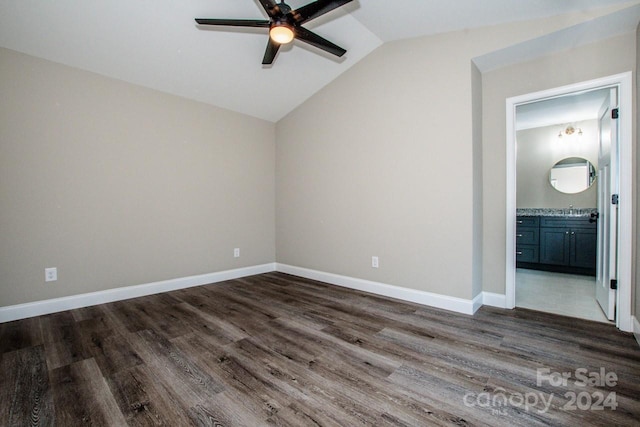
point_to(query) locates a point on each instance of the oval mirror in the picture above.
(572, 175)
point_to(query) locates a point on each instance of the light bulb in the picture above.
(281, 34)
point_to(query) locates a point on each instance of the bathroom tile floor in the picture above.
(565, 294)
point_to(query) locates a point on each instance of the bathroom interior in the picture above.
(559, 144)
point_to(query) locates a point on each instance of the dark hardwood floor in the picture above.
(276, 349)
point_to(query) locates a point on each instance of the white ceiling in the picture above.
(155, 43)
(562, 110)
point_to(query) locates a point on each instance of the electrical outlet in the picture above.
(50, 274)
(374, 262)
(236, 253)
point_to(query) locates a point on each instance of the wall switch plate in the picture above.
(50, 274)
(236, 253)
(374, 262)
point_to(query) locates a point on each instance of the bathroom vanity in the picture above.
(559, 240)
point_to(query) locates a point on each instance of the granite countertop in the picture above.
(564, 212)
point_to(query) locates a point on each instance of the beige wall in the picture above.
(361, 171)
(384, 162)
(637, 254)
(118, 185)
(605, 58)
(476, 107)
(538, 150)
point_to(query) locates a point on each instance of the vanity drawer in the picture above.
(527, 221)
(527, 236)
(567, 222)
(527, 254)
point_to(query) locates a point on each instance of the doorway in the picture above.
(557, 207)
(573, 270)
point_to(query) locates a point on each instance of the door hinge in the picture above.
(615, 199)
(615, 113)
(614, 284)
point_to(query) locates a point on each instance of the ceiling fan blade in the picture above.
(270, 53)
(271, 7)
(261, 23)
(313, 39)
(316, 9)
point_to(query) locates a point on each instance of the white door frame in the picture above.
(625, 243)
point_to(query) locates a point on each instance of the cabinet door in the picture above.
(554, 246)
(583, 248)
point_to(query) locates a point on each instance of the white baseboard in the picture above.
(446, 302)
(494, 300)
(459, 305)
(38, 308)
(477, 302)
(636, 328)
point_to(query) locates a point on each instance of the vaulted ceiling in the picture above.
(156, 43)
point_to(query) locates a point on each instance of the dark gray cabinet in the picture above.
(554, 246)
(584, 246)
(563, 244)
(528, 239)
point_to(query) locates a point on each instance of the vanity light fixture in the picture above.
(569, 130)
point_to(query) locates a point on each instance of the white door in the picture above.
(607, 181)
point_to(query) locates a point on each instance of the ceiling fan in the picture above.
(285, 24)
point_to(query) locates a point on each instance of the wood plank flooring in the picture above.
(280, 350)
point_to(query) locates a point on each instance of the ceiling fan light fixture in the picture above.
(285, 25)
(281, 34)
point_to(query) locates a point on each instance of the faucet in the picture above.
(570, 209)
